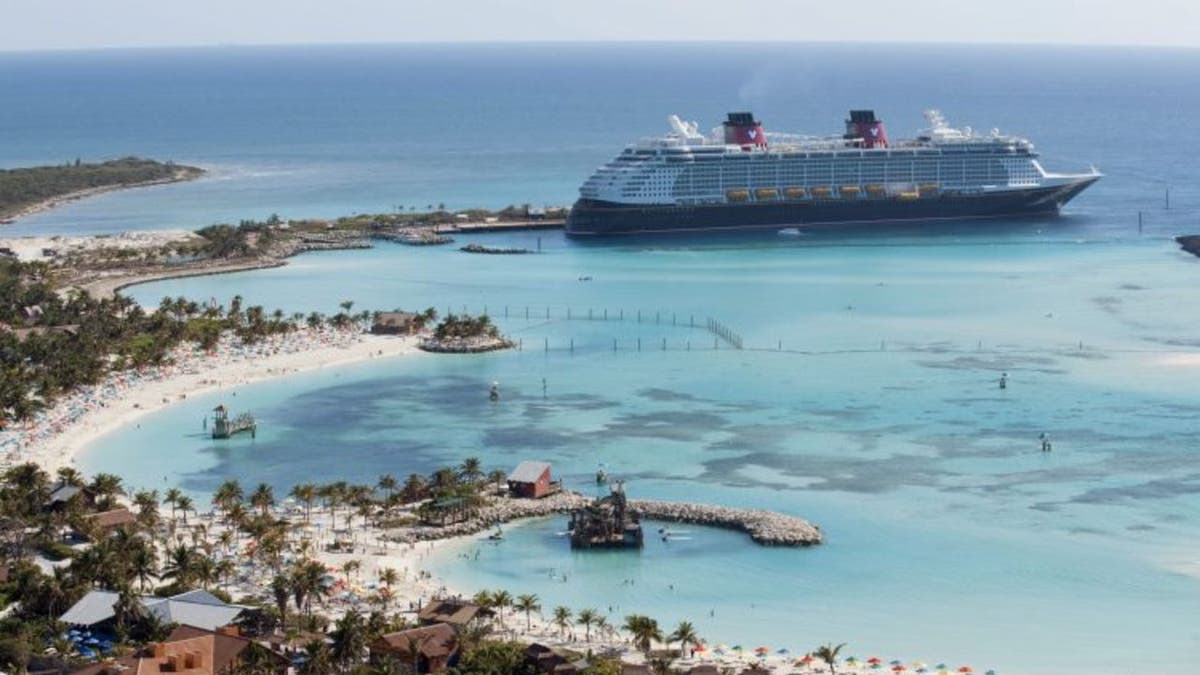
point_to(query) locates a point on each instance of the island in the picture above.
(26, 191)
(465, 335)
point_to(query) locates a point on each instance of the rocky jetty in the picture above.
(491, 250)
(1189, 243)
(465, 345)
(414, 237)
(766, 528)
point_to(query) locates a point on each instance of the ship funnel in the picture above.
(866, 130)
(742, 129)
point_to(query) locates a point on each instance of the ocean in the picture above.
(866, 396)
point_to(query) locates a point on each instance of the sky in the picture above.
(85, 24)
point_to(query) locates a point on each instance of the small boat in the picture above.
(820, 192)
(793, 192)
(790, 231)
(601, 477)
(766, 193)
(849, 190)
(496, 536)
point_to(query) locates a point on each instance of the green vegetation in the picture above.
(161, 554)
(23, 188)
(455, 326)
(51, 343)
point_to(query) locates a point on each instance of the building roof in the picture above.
(436, 641)
(209, 653)
(62, 492)
(457, 612)
(200, 609)
(528, 472)
(114, 518)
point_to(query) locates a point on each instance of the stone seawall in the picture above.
(767, 528)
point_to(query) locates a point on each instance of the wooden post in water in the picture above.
(614, 345)
(526, 312)
(622, 317)
(639, 344)
(568, 312)
(606, 314)
(780, 348)
(572, 345)
(506, 311)
(664, 344)
(547, 344)
(1139, 222)
(1167, 198)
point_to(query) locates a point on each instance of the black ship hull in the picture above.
(590, 217)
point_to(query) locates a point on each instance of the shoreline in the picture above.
(181, 176)
(56, 436)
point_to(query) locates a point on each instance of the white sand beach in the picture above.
(54, 436)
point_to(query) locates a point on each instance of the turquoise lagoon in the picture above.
(866, 399)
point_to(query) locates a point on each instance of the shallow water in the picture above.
(950, 536)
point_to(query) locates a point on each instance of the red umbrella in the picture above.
(806, 659)
(874, 659)
(897, 668)
(965, 669)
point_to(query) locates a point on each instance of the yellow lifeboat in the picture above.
(876, 190)
(820, 192)
(766, 193)
(909, 196)
(793, 192)
(849, 190)
(737, 195)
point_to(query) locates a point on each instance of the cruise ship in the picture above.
(741, 177)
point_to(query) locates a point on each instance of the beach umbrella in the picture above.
(874, 659)
(701, 648)
(965, 669)
(761, 650)
(807, 659)
(737, 648)
(876, 666)
(941, 666)
(917, 664)
(990, 672)
(898, 668)
(783, 651)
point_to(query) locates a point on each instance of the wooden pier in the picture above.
(225, 427)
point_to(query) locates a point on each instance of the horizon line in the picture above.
(589, 42)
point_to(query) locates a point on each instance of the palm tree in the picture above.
(70, 476)
(528, 603)
(645, 631)
(483, 599)
(349, 638)
(471, 469)
(829, 654)
(181, 565)
(388, 577)
(387, 483)
(185, 504)
(586, 617)
(305, 493)
(281, 592)
(350, 567)
(228, 494)
(172, 497)
(414, 487)
(263, 498)
(685, 634)
(318, 659)
(562, 619)
(502, 600)
(143, 565)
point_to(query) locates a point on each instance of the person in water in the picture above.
(1004, 380)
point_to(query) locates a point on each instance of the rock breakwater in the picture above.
(767, 528)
